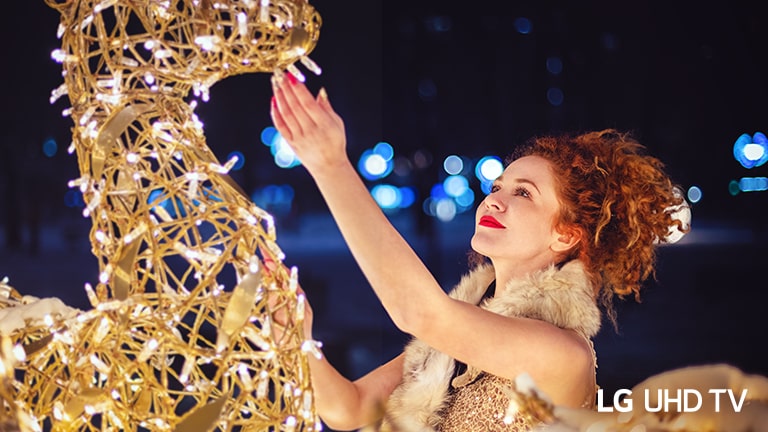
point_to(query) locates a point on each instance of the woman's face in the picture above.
(514, 223)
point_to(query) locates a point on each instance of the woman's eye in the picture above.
(495, 188)
(523, 192)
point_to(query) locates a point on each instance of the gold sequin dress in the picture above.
(482, 405)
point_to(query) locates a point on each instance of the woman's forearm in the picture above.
(336, 398)
(346, 405)
(398, 276)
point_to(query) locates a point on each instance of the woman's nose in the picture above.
(492, 202)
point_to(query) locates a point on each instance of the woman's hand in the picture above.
(310, 126)
(281, 318)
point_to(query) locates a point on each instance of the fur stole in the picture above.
(563, 297)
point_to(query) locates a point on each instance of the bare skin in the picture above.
(558, 360)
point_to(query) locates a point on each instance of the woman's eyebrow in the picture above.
(519, 180)
(530, 182)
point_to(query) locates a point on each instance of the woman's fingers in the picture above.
(279, 121)
(300, 109)
(294, 112)
(289, 113)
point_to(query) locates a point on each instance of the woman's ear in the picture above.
(566, 238)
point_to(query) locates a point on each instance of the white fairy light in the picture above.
(293, 70)
(58, 92)
(310, 65)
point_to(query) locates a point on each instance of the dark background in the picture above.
(439, 78)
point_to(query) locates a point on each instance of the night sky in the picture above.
(448, 78)
(436, 78)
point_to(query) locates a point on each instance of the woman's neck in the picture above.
(506, 272)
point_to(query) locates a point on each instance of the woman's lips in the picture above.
(490, 222)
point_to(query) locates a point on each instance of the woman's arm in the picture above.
(347, 405)
(412, 297)
(316, 134)
(341, 403)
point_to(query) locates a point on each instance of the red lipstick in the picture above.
(490, 222)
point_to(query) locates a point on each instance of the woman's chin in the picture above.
(478, 245)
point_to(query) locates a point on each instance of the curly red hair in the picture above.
(618, 198)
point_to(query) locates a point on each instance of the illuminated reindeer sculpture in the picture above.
(189, 330)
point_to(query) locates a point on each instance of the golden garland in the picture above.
(188, 330)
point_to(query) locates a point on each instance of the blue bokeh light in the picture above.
(373, 166)
(486, 186)
(445, 210)
(284, 155)
(74, 198)
(438, 24)
(438, 191)
(50, 147)
(523, 25)
(427, 89)
(278, 146)
(274, 198)
(694, 194)
(466, 200)
(455, 185)
(268, 136)
(407, 196)
(555, 96)
(385, 150)
(753, 184)
(387, 196)
(489, 168)
(453, 165)
(554, 65)
(751, 151)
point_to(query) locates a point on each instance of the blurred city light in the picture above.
(438, 24)
(753, 184)
(489, 168)
(376, 163)
(74, 198)
(751, 151)
(268, 135)
(276, 199)
(466, 200)
(694, 194)
(427, 90)
(523, 25)
(445, 210)
(609, 41)
(387, 196)
(555, 96)
(453, 165)
(284, 155)
(455, 185)
(407, 196)
(278, 146)
(391, 197)
(554, 65)
(385, 150)
(733, 187)
(50, 147)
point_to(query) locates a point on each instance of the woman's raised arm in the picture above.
(500, 345)
(316, 134)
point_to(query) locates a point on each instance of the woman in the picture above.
(571, 222)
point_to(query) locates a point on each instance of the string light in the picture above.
(168, 345)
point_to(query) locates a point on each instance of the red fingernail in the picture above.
(274, 102)
(291, 79)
